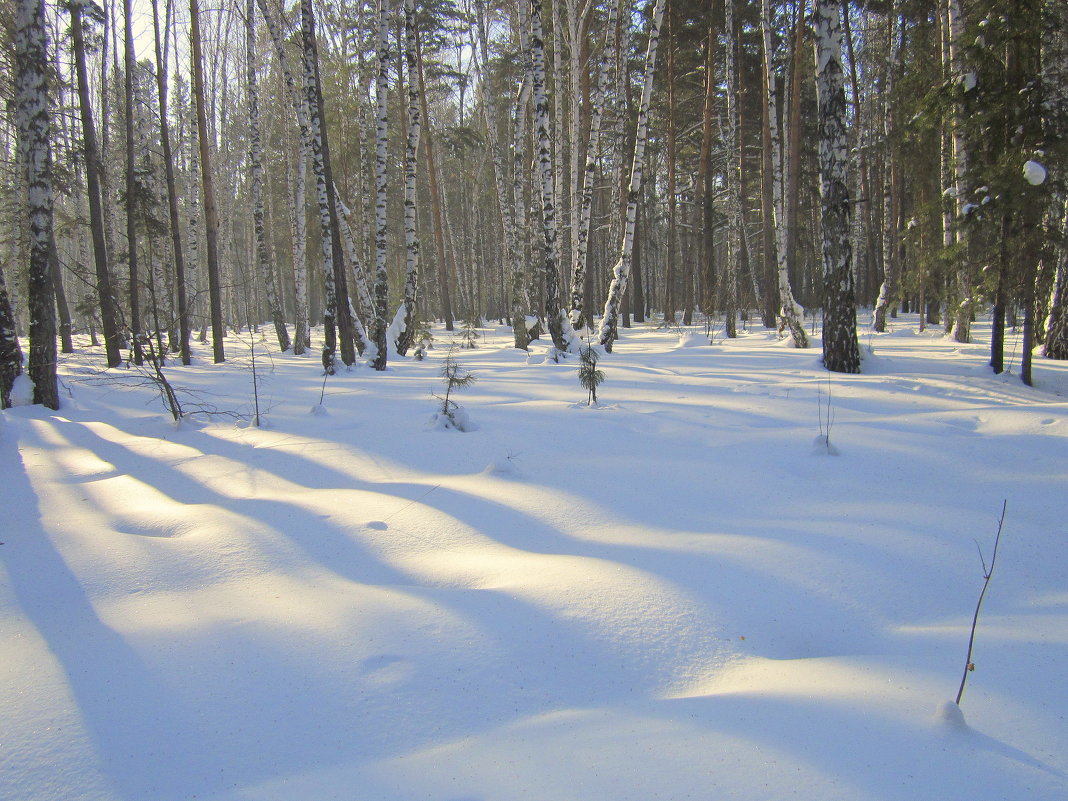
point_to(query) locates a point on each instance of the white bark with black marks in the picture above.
(33, 121)
(255, 153)
(405, 318)
(841, 353)
(381, 284)
(621, 270)
(589, 173)
(790, 311)
(555, 317)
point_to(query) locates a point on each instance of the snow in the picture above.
(1034, 173)
(676, 594)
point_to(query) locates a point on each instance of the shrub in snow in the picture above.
(469, 333)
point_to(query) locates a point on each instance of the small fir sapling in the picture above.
(469, 333)
(589, 376)
(424, 340)
(455, 378)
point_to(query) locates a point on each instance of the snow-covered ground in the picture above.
(678, 594)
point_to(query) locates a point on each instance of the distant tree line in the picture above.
(172, 171)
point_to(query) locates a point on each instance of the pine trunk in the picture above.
(105, 293)
(172, 192)
(733, 177)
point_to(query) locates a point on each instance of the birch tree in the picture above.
(381, 293)
(841, 353)
(10, 349)
(255, 162)
(33, 115)
(555, 317)
(891, 201)
(791, 313)
(621, 270)
(405, 321)
(582, 233)
(297, 171)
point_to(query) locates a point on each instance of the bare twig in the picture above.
(969, 666)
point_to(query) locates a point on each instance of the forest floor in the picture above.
(687, 591)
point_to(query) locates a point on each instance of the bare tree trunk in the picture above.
(93, 167)
(444, 295)
(211, 214)
(255, 157)
(33, 114)
(840, 350)
(579, 315)
(731, 143)
(298, 188)
(10, 350)
(791, 313)
(172, 192)
(555, 317)
(963, 323)
(891, 202)
(381, 293)
(131, 187)
(489, 106)
(621, 270)
(406, 314)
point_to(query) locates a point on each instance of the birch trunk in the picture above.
(381, 293)
(840, 350)
(891, 263)
(622, 268)
(963, 322)
(521, 278)
(555, 318)
(255, 157)
(582, 233)
(33, 115)
(406, 313)
(329, 237)
(298, 189)
(10, 350)
(791, 313)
